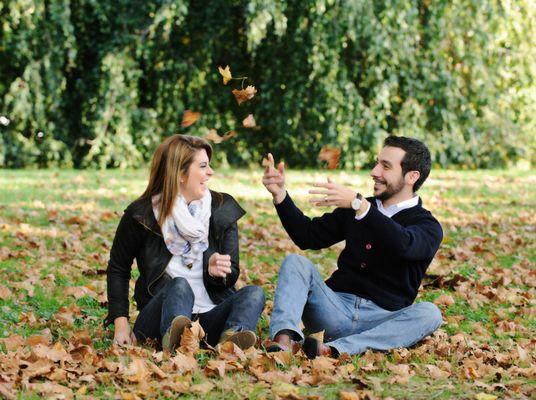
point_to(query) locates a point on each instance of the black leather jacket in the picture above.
(139, 236)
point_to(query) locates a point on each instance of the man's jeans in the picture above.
(238, 312)
(352, 324)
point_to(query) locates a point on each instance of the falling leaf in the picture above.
(189, 118)
(249, 122)
(244, 95)
(213, 136)
(331, 155)
(226, 74)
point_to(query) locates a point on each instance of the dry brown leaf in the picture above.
(226, 74)
(202, 388)
(189, 118)
(285, 390)
(402, 373)
(244, 95)
(183, 363)
(213, 136)
(215, 367)
(331, 155)
(485, 396)
(52, 390)
(190, 338)
(137, 370)
(318, 336)
(12, 342)
(76, 220)
(5, 292)
(348, 395)
(444, 300)
(79, 291)
(38, 368)
(249, 122)
(436, 373)
(7, 392)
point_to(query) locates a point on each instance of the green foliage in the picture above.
(89, 83)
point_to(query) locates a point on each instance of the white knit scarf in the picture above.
(185, 230)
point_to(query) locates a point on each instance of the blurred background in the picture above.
(87, 83)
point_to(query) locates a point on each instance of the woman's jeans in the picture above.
(238, 312)
(352, 324)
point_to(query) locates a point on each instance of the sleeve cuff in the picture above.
(360, 217)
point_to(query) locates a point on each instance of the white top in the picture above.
(194, 276)
(392, 209)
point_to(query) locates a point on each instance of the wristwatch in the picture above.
(356, 203)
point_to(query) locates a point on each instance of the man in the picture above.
(367, 303)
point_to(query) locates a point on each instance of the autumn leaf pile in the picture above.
(56, 230)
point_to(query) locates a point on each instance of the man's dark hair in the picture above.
(417, 157)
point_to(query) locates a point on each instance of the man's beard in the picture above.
(390, 190)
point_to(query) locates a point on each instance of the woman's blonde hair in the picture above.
(171, 161)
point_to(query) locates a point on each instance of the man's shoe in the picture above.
(172, 338)
(313, 348)
(243, 339)
(281, 342)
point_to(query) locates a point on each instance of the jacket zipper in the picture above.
(162, 273)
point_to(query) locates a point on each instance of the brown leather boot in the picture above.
(313, 348)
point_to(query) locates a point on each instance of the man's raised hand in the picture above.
(274, 179)
(334, 194)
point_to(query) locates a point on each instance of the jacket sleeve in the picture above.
(127, 241)
(228, 245)
(413, 243)
(306, 233)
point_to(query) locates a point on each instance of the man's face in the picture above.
(387, 174)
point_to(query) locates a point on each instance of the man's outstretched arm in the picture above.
(306, 233)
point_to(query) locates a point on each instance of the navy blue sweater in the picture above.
(384, 259)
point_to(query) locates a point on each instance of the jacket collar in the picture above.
(224, 211)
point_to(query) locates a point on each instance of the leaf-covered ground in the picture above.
(56, 229)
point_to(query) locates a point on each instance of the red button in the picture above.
(363, 265)
(368, 246)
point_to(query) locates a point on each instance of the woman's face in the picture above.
(194, 184)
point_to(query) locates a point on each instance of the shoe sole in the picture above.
(244, 339)
(173, 337)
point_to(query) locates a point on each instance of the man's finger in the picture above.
(321, 191)
(271, 159)
(326, 185)
(281, 167)
(272, 174)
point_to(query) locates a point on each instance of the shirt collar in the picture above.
(394, 208)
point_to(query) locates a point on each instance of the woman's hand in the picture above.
(334, 195)
(123, 336)
(219, 265)
(274, 179)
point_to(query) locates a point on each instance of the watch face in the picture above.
(356, 203)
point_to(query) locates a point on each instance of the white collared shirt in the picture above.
(392, 209)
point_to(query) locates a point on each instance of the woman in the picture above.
(184, 238)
